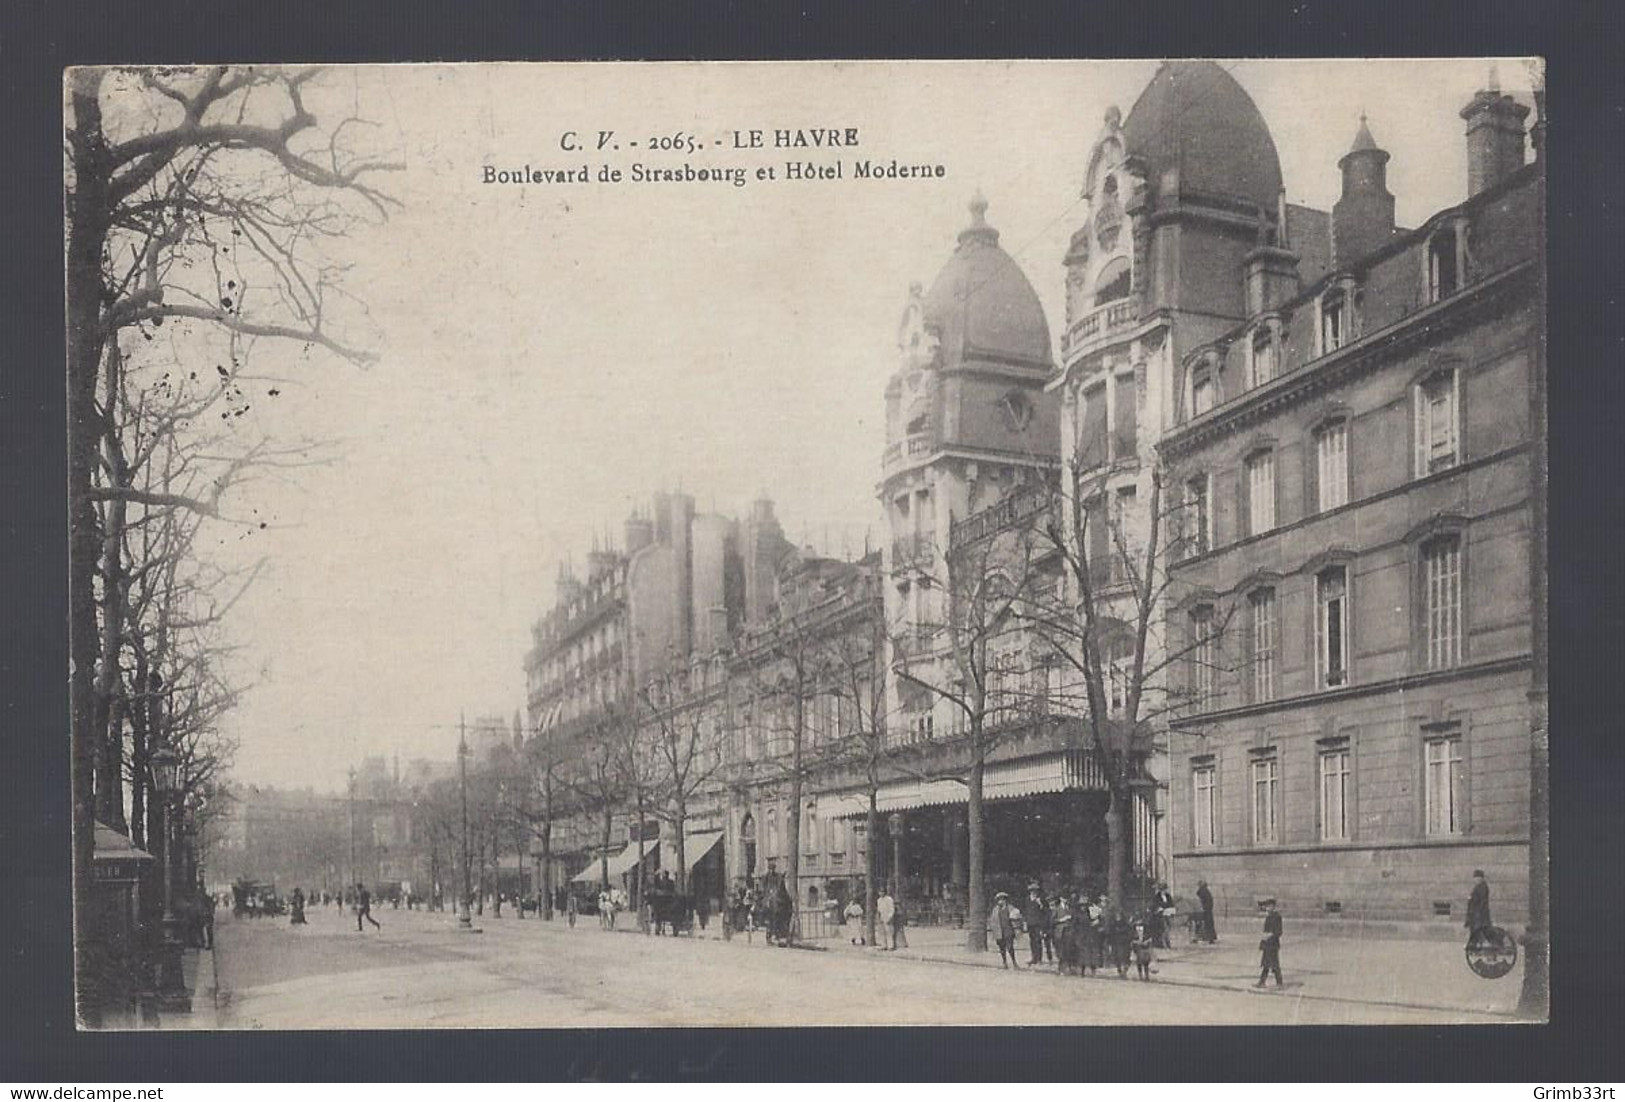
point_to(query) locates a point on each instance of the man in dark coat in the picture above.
(1208, 932)
(1270, 947)
(1478, 910)
(1162, 913)
(1036, 912)
(363, 908)
(1005, 921)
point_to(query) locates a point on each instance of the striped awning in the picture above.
(619, 863)
(1005, 780)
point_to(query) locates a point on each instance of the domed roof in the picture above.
(1193, 116)
(982, 305)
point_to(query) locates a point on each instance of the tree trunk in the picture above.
(545, 876)
(109, 701)
(603, 855)
(1119, 840)
(871, 866)
(792, 879)
(976, 920)
(680, 824)
(87, 233)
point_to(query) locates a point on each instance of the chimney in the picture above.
(1363, 219)
(1494, 137)
(1271, 268)
(640, 533)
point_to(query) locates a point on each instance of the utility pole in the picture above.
(353, 880)
(465, 920)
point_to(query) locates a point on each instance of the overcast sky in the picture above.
(550, 356)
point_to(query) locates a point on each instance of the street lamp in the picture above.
(465, 920)
(172, 992)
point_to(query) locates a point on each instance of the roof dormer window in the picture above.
(1266, 354)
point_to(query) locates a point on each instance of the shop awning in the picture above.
(1005, 780)
(619, 863)
(697, 845)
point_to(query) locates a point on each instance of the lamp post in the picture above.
(465, 920)
(172, 992)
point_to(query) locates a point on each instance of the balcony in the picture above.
(1019, 509)
(907, 449)
(1100, 324)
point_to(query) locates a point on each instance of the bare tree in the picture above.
(686, 735)
(968, 652)
(854, 661)
(171, 219)
(1106, 625)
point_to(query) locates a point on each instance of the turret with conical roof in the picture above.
(1363, 218)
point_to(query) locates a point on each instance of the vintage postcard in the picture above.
(578, 545)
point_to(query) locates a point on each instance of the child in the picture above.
(1141, 945)
(854, 918)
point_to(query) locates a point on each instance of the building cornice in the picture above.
(1369, 352)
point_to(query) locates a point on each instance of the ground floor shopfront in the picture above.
(1043, 820)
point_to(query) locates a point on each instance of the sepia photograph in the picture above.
(780, 544)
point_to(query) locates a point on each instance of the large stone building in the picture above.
(1349, 432)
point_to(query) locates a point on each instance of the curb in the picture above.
(1510, 1017)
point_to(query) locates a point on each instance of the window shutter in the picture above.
(1420, 407)
(1455, 418)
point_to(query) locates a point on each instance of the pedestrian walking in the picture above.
(570, 908)
(1064, 933)
(702, 910)
(298, 908)
(1141, 947)
(1270, 946)
(854, 918)
(885, 911)
(1118, 936)
(363, 908)
(1091, 936)
(1162, 917)
(1478, 911)
(1207, 931)
(1036, 914)
(899, 920)
(1005, 922)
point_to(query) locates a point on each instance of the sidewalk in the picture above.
(1419, 974)
(198, 968)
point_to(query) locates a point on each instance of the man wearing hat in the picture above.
(1478, 910)
(1005, 921)
(1035, 912)
(1270, 947)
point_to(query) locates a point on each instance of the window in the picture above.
(1438, 423)
(1441, 580)
(1444, 275)
(1119, 668)
(1198, 519)
(1444, 785)
(1098, 540)
(1264, 356)
(1332, 465)
(1332, 625)
(1113, 282)
(772, 832)
(1202, 656)
(1125, 423)
(1334, 321)
(1266, 791)
(1264, 644)
(1260, 492)
(1122, 519)
(1203, 392)
(1334, 794)
(1092, 434)
(1205, 812)
(809, 832)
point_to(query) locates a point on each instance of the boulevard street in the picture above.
(420, 971)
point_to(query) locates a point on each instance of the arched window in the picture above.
(1113, 282)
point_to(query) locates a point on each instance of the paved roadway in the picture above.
(419, 971)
